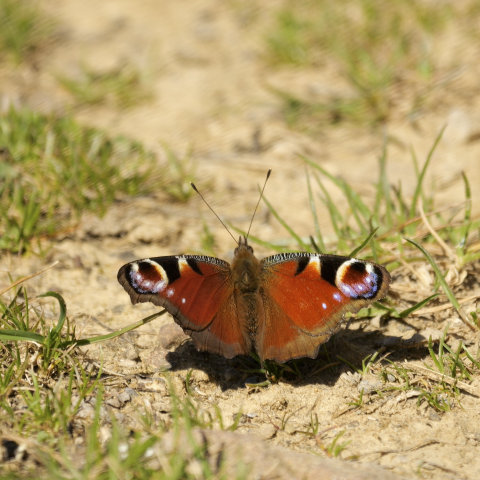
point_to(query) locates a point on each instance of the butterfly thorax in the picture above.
(245, 269)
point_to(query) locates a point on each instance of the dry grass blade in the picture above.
(426, 443)
(409, 268)
(405, 224)
(321, 369)
(445, 287)
(448, 251)
(445, 306)
(440, 377)
(24, 279)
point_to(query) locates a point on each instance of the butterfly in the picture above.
(282, 307)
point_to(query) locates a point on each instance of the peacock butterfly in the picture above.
(282, 307)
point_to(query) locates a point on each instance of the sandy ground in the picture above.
(203, 62)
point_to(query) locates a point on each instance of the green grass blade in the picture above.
(442, 345)
(355, 369)
(102, 338)
(443, 283)
(364, 243)
(316, 248)
(474, 361)
(9, 335)
(468, 213)
(354, 208)
(346, 189)
(318, 233)
(63, 309)
(370, 312)
(434, 357)
(289, 230)
(10, 314)
(373, 244)
(438, 273)
(418, 189)
(256, 240)
(383, 189)
(408, 311)
(335, 216)
(415, 163)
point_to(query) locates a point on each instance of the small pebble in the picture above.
(104, 435)
(350, 379)
(131, 392)
(267, 431)
(162, 406)
(200, 376)
(114, 402)
(171, 336)
(391, 341)
(86, 412)
(434, 417)
(124, 397)
(156, 359)
(369, 386)
(121, 418)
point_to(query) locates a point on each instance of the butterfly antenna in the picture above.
(258, 203)
(213, 211)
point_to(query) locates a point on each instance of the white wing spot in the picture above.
(183, 300)
(182, 264)
(324, 305)
(315, 260)
(169, 292)
(160, 285)
(337, 296)
(137, 277)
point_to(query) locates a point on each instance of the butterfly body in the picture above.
(282, 307)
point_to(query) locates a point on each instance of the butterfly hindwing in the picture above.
(307, 295)
(197, 291)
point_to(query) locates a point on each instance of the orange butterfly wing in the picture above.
(306, 296)
(197, 291)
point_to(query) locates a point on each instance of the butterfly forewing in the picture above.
(306, 297)
(197, 291)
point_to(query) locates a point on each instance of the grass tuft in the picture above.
(122, 87)
(22, 29)
(52, 169)
(382, 50)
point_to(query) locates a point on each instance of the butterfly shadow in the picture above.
(346, 349)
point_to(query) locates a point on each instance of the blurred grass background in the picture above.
(387, 62)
